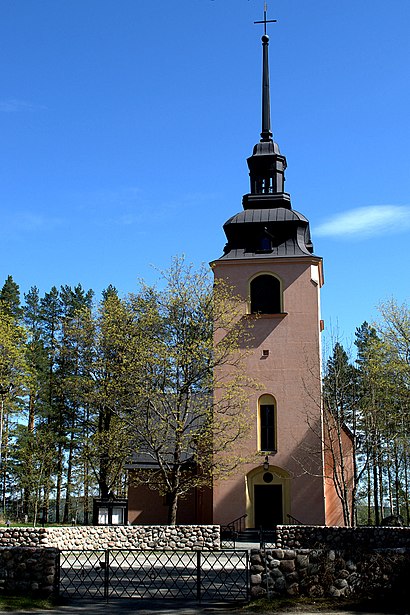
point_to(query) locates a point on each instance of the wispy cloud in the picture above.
(25, 222)
(366, 222)
(15, 105)
(111, 207)
(133, 206)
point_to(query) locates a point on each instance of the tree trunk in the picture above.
(104, 425)
(172, 508)
(59, 480)
(396, 478)
(4, 462)
(406, 483)
(85, 494)
(67, 503)
(376, 490)
(369, 496)
(389, 488)
(46, 499)
(86, 482)
(31, 413)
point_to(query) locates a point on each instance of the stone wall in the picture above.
(27, 570)
(328, 573)
(313, 536)
(188, 537)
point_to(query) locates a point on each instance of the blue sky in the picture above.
(125, 127)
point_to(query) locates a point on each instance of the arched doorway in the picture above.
(267, 497)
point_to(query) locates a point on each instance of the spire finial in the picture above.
(266, 134)
(264, 20)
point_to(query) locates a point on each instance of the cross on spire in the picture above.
(264, 20)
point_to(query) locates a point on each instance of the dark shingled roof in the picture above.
(279, 214)
(268, 227)
(286, 232)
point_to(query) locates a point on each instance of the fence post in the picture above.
(247, 577)
(261, 538)
(198, 576)
(106, 573)
(57, 574)
(267, 578)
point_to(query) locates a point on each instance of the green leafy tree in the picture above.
(31, 457)
(13, 378)
(384, 385)
(185, 414)
(394, 331)
(108, 442)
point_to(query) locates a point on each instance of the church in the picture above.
(269, 262)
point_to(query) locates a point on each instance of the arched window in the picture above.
(265, 295)
(267, 423)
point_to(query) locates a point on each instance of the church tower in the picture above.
(270, 262)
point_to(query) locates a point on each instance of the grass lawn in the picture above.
(19, 603)
(8, 604)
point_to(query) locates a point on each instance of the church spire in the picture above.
(268, 226)
(266, 133)
(266, 165)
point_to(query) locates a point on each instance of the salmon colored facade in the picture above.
(285, 361)
(147, 507)
(339, 472)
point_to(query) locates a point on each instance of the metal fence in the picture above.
(186, 575)
(262, 539)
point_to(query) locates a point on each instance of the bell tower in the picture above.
(269, 260)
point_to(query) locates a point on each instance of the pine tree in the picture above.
(10, 298)
(36, 358)
(76, 307)
(51, 332)
(372, 403)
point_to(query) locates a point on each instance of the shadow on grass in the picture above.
(308, 605)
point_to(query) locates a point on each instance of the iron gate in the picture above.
(190, 575)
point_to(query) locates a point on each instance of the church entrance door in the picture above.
(268, 506)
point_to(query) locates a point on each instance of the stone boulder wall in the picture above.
(23, 537)
(315, 537)
(318, 573)
(184, 537)
(29, 570)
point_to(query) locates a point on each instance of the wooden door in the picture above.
(268, 506)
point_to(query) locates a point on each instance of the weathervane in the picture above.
(264, 20)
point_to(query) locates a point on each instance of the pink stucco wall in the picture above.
(291, 374)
